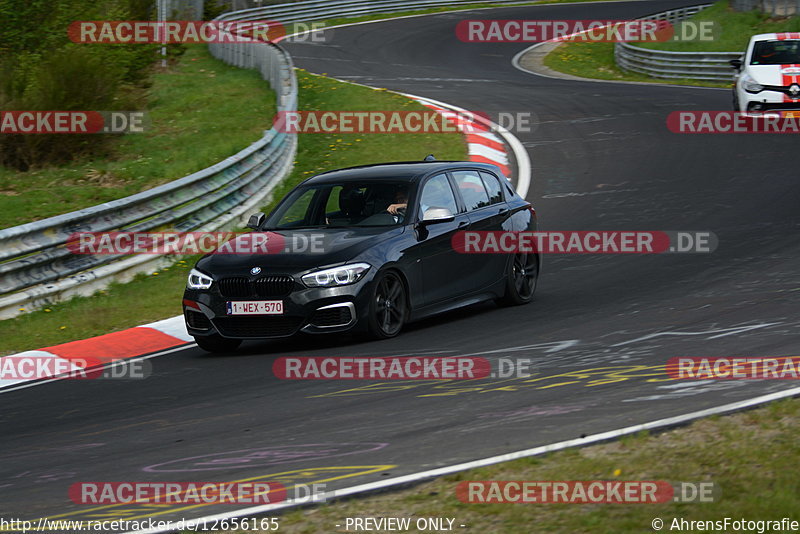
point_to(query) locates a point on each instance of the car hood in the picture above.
(296, 250)
(774, 74)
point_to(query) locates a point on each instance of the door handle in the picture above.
(463, 224)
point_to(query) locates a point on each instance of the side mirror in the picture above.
(256, 220)
(437, 215)
(736, 63)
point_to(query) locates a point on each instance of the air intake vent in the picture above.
(329, 317)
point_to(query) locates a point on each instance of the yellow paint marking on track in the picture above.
(125, 511)
(597, 376)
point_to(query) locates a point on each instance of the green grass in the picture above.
(153, 297)
(734, 30)
(751, 456)
(200, 111)
(596, 60)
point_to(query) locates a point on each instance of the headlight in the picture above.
(198, 280)
(751, 86)
(336, 276)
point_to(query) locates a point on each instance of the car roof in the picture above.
(404, 171)
(774, 36)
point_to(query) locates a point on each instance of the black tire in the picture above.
(388, 306)
(216, 343)
(523, 274)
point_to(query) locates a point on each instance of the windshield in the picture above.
(776, 52)
(345, 204)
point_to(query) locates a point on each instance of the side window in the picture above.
(471, 188)
(437, 193)
(492, 187)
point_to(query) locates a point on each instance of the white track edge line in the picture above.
(432, 473)
(124, 361)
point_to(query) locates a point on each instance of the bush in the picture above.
(41, 69)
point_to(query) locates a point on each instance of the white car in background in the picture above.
(768, 77)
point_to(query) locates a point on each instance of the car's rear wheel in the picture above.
(388, 306)
(521, 280)
(216, 343)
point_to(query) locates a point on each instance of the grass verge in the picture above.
(157, 296)
(732, 32)
(749, 455)
(200, 111)
(733, 29)
(596, 60)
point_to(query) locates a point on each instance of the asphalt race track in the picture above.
(598, 333)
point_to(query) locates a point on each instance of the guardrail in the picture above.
(709, 66)
(37, 269)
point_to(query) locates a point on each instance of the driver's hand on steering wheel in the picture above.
(395, 209)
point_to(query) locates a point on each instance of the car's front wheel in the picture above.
(217, 343)
(388, 307)
(521, 280)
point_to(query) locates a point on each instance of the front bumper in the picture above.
(308, 310)
(766, 101)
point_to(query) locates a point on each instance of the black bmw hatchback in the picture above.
(367, 249)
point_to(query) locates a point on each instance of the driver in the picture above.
(400, 202)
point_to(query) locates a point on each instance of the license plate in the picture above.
(791, 114)
(256, 307)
